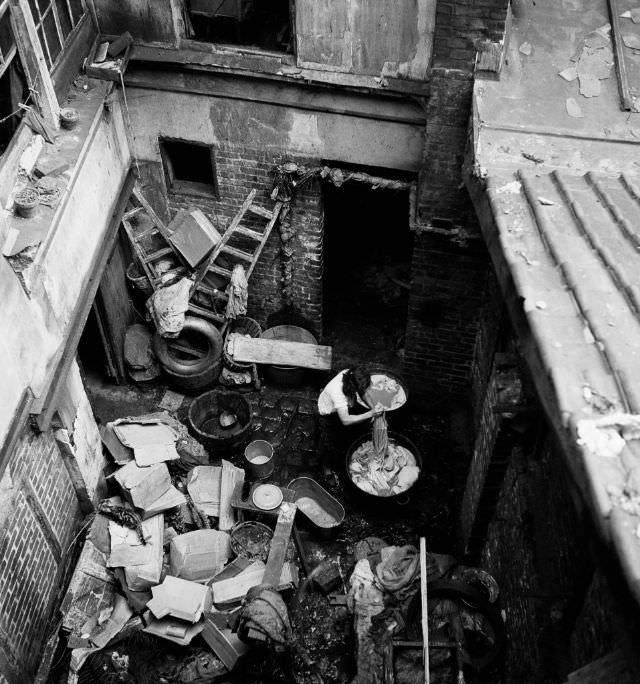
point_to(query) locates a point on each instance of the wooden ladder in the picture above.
(240, 244)
(151, 244)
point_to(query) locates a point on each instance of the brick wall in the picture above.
(447, 294)
(536, 549)
(461, 26)
(239, 170)
(38, 518)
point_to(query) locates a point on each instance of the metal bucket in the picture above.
(287, 376)
(259, 461)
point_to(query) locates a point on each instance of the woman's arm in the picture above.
(347, 419)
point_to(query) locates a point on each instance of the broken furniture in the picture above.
(151, 241)
(242, 243)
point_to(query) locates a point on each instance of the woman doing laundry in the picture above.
(342, 404)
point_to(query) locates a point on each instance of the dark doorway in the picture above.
(367, 260)
(264, 25)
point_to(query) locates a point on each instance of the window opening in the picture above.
(54, 21)
(189, 167)
(13, 87)
(253, 23)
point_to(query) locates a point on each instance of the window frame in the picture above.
(187, 187)
(5, 61)
(38, 21)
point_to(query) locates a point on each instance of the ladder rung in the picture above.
(220, 271)
(148, 231)
(156, 255)
(241, 254)
(259, 211)
(211, 291)
(131, 213)
(249, 233)
(205, 313)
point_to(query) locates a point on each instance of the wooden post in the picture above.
(425, 608)
(33, 61)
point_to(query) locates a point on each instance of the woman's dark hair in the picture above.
(355, 381)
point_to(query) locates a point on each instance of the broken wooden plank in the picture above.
(279, 352)
(279, 543)
(235, 588)
(228, 480)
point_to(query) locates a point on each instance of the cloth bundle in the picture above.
(380, 436)
(399, 569)
(238, 291)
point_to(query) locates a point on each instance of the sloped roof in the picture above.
(558, 198)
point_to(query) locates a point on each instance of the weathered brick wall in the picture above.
(239, 170)
(536, 549)
(461, 26)
(448, 285)
(486, 435)
(38, 519)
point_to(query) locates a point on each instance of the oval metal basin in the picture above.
(315, 502)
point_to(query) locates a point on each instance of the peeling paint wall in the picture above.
(36, 325)
(322, 135)
(359, 37)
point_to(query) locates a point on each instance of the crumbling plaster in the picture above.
(287, 130)
(38, 315)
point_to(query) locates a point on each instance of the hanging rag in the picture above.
(168, 305)
(380, 436)
(238, 292)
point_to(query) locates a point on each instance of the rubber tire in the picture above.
(468, 594)
(213, 355)
(193, 383)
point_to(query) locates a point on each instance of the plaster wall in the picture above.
(321, 135)
(36, 317)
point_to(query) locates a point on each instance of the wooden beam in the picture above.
(33, 62)
(44, 407)
(618, 49)
(17, 425)
(425, 608)
(280, 352)
(279, 544)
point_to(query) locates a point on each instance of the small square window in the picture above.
(189, 167)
